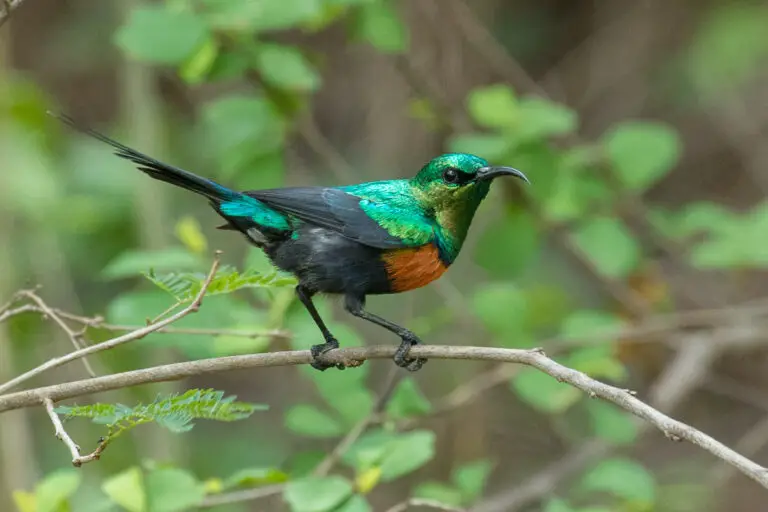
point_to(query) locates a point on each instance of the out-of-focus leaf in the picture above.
(189, 233)
(380, 25)
(492, 147)
(248, 16)
(439, 492)
(609, 245)
(624, 478)
(367, 479)
(503, 310)
(494, 106)
(317, 494)
(407, 400)
(196, 68)
(160, 35)
(251, 477)
(558, 505)
(53, 492)
(509, 245)
(598, 362)
(310, 421)
(173, 490)
(642, 152)
(539, 118)
(127, 490)
(610, 423)
(355, 503)
(591, 325)
(24, 501)
(544, 392)
(471, 478)
(132, 263)
(286, 67)
(407, 453)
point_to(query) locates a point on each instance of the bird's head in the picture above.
(453, 179)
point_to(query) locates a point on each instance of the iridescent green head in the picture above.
(452, 186)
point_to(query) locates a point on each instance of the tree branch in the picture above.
(61, 434)
(112, 343)
(6, 8)
(623, 398)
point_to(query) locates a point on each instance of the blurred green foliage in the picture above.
(578, 186)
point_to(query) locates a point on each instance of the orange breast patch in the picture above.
(408, 269)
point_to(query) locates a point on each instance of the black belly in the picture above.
(326, 262)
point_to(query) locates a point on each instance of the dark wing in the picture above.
(336, 210)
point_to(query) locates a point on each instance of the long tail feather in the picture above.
(157, 169)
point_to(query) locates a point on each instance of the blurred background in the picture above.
(637, 255)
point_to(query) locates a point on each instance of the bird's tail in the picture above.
(159, 170)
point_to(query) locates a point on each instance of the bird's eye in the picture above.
(450, 176)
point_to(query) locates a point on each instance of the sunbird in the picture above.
(372, 238)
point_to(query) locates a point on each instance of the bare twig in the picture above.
(423, 503)
(131, 336)
(61, 434)
(623, 398)
(74, 337)
(7, 7)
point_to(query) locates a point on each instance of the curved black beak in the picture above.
(489, 173)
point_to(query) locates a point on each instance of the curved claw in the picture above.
(401, 356)
(317, 352)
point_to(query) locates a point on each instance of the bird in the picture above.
(373, 238)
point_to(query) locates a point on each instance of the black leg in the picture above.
(305, 296)
(356, 306)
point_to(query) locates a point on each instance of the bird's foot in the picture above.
(317, 355)
(401, 356)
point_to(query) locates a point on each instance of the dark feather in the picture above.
(332, 209)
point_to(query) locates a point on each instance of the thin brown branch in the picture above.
(74, 337)
(61, 434)
(623, 398)
(120, 340)
(6, 8)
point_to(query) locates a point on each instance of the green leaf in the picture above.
(379, 24)
(471, 478)
(249, 16)
(407, 453)
(493, 147)
(544, 392)
(609, 246)
(160, 35)
(598, 362)
(310, 421)
(439, 492)
(407, 400)
(591, 325)
(509, 246)
(251, 477)
(642, 152)
(185, 286)
(131, 263)
(355, 503)
(173, 490)
(197, 68)
(558, 505)
(610, 423)
(241, 129)
(127, 490)
(189, 233)
(52, 493)
(539, 118)
(502, 309)
(286, 67)
(317, 494)
(624, 478)
(370, 449)
(494, 106)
